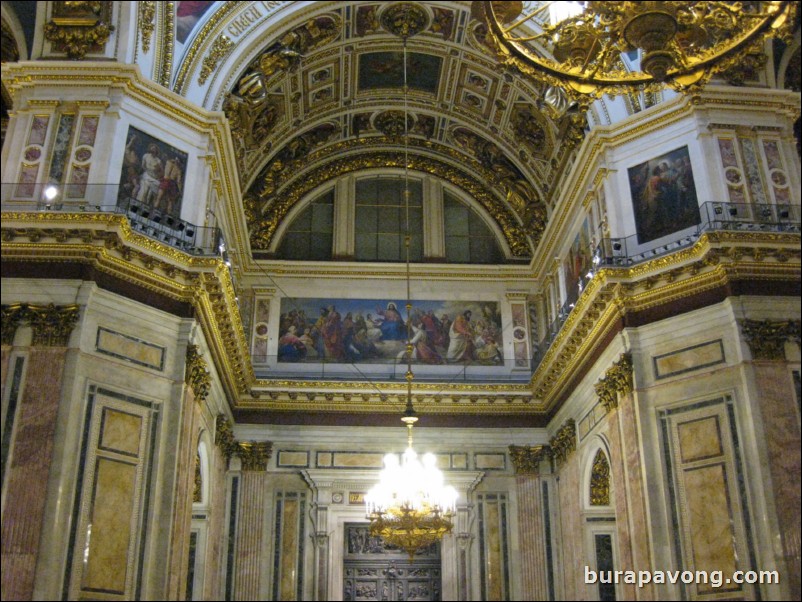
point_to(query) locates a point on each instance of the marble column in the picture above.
(776, 401)
(531, 527)
(32, 448)
(251, 520)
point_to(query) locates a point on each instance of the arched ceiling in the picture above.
(324, 97)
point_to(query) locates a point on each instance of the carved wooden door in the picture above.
(375, 571)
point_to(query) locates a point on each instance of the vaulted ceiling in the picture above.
(324, 97)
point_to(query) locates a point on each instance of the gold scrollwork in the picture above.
(526, 459)
(224, 436)
(564, 441)
(600, 480)
(52, 325)
(767, 338)
(254, 454)
(221, 47)
(618, 380)
(147, 17)
(13, 316)
(78, 27)
(196, 375)
(197, 491)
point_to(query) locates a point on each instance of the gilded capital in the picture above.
(196, 375)
(12, 315)
(254, 454)
(52, 325)
(224, 436)
(564, 442)
(767, 338)
(618, 380)
(526, 459)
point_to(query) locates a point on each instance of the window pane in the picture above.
(457, 249)
(389, 246)
(366, 219)
(365, 247)
(322, 218)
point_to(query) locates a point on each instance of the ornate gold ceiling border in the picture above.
(164, 50)
(717, 259)
(107, 243)
(263, 224)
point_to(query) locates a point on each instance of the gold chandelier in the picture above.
(588, 48)
(411, 507)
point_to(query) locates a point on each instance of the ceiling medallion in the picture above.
(404, 19)
(594, 48)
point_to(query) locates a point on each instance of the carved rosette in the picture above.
(767, 338)
(564, 442)
(404, 19)
(196, 375)
(78, 27)
(254, 454)
(526, 459)
(618, 380)
(600, 481)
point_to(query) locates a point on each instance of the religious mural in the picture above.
(664, 195)
(375, 331)
(187, 15)
(153, 173)
(386, 70)
(577, 263)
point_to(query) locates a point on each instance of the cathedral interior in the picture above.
(242, 240)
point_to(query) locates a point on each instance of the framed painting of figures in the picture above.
(664, 195)
(153, 173)
(375, 331)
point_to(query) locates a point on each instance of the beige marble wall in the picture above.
(782, 436)
(28, 471)
(250, 526)
(573, 555)
(532, 538)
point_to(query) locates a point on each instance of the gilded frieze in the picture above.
(526, 459)
(767, 338)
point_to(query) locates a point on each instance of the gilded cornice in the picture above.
(767, 338)
(717, 259)
(526, 459)
(564, 441)
(106, 242)
(196, 375)
(618, 380)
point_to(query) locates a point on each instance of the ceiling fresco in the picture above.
(328, 91)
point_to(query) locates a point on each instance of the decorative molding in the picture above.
(196, 375)
(767, 338)
(147, 18)
(617, 380)
(526, 459)
(254, 454)
(564, 442)
(78, 27)
(600, 480)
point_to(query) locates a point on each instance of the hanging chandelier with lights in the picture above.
(411, 507)
(591, 48)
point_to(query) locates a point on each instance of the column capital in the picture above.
(564, 441)
(196, 375)
(618, 380)
(12, 317)
(526, 459)
(254, 454)
(767, 338)
(52, 325)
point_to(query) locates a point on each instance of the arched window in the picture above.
(309, 235)
(468, 238)
(381, 220)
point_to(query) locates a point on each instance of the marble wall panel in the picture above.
(132, 349)
(493, 546)
(689, 359)
(289, 533)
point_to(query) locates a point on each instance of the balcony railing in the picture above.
(627, 251)
(109, 198)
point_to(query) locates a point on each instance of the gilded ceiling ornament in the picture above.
(564, 441)
(269, 209)
(527, 128)
(618, 380)
(52, 325)
(147, 18)
(404, 19)
(526, 459)
(78, 27)
(391, 124)
(254, 454)
(196, 375)
(600, 480)
(767, 338)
